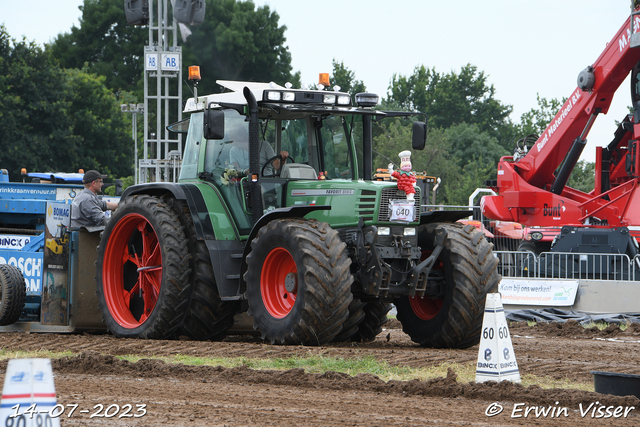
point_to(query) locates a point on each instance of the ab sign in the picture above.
(167, 62)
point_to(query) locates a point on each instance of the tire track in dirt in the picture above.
(204, 395)
(566, 351)
(198, 395)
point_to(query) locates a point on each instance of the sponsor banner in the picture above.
(41, 192)
(56, 265)
(30, 263)
(14, 241)
(57, 213)
(538, 292)
(27, 191)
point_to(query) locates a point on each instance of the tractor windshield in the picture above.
(335, 135)
(320, 143)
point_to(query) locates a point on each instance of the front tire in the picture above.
(298, 282)
(13, 294)
(470, 272)
(143, 269)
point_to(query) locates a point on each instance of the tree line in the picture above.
(59, 105)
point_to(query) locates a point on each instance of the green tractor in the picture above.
(307, 244)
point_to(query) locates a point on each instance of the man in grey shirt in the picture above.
(238, 133)
(87, 209)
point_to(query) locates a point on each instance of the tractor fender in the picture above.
(187, 192)
(431, 217)
(287, 212)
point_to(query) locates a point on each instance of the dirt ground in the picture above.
(177, 395)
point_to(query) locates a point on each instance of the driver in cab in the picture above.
(239, 153)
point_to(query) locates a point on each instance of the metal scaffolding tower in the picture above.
(162, 154)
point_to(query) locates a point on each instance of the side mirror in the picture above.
(213, 124)
(419, 137)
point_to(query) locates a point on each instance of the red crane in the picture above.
(531, 184)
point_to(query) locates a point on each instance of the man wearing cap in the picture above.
(239, 153)
(87, 209)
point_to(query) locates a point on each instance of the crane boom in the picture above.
(609, 71)
(532, 187)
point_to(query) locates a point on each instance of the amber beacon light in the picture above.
(194, 72)
(324, 79)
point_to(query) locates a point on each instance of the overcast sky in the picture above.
(525, 48)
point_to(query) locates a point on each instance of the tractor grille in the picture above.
(366, 204)
(392, 193)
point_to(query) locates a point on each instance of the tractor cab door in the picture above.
(220, 161)
(292, 137)
(226, 164)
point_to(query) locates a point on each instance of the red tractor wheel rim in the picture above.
(427, 308)
(276, 298)
(132, 271)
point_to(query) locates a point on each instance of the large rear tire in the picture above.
(298, 282)
(207, 317)
(13, 294)
(469, 269)
(143, 268)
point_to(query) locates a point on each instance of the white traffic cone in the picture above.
(496, 359)
(28, 395)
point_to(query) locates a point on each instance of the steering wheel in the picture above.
(276, 171)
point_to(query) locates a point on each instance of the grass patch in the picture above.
(547, 383)
(311, 364)
(319, 364)
(604, 325)
(44, 354)
(599, 325)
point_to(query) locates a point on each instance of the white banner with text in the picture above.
(538, 292)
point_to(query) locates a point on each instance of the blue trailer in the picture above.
(47, 269)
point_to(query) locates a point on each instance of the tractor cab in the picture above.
(326, 144)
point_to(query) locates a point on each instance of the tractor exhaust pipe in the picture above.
(254, 155)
